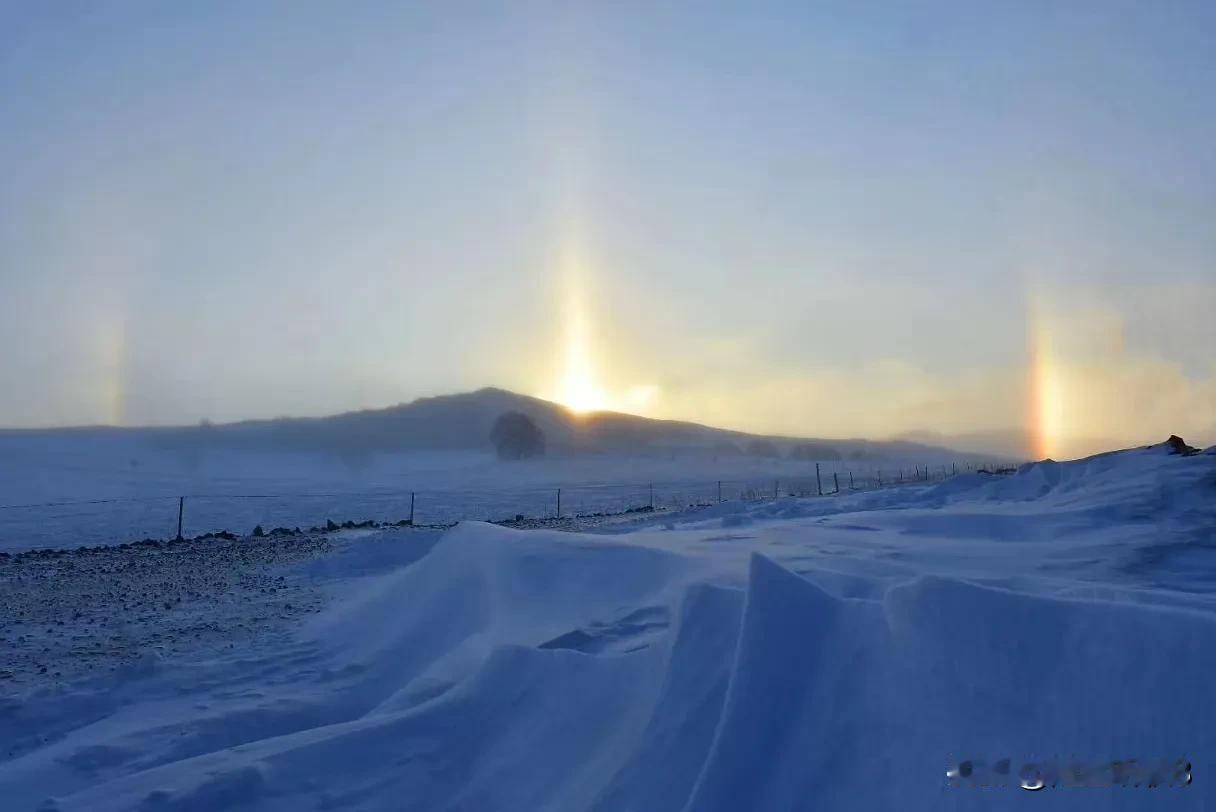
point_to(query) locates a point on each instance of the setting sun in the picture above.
(579, 387)
(580, 391)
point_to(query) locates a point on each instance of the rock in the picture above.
(1178, 446)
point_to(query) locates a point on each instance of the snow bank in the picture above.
(804, 654)
(853, 704)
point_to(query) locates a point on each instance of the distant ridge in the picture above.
(463, 421)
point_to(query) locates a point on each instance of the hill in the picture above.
(463, 421)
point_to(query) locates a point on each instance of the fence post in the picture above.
(836, 480)
(719, 491)
(181, 508)
(775, 488)
(411, 508)
(559, 503)
(818, 481)
(851, 480)
(652, 496)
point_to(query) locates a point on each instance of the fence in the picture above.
(72, 523)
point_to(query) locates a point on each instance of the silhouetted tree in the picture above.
(516, 436)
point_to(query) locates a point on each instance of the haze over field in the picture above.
(938, 221)
(67, 487)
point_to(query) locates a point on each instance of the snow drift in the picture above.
(839, 655)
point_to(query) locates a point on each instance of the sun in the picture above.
(580, 390)
(578, 384)
(580, 395)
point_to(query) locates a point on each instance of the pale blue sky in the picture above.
(835, 218)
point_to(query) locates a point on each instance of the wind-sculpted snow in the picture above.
(838, 703)
(803, 654)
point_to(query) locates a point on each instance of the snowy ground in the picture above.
(793, 654)
(75, 614)
(69, 490)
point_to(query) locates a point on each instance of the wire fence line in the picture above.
(118, 519)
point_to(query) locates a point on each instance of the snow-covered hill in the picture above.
(796, 654)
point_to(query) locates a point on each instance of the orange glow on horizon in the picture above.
(1045, 406)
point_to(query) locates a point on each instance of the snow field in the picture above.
(792, 655)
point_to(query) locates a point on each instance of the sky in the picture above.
(824, 219)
